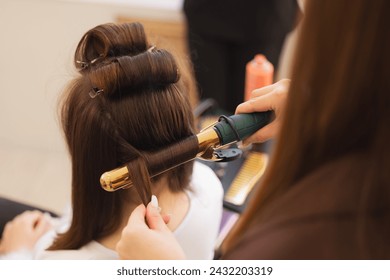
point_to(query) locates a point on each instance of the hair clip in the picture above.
(95, 92)
(83, 64)
(151, 48)
(177, 75)
(96, 59)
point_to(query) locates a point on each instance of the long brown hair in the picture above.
(338, 103)
(128, 98)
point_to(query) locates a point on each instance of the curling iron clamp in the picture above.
(205, 145)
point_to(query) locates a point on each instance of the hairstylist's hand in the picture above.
(151, 241)
(272, 97)
(23, 232)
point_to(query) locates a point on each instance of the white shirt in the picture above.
(198, 231)
(196, 234)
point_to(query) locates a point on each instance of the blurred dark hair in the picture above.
(128, 98)
(338, 103)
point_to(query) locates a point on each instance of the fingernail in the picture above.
(154, 201)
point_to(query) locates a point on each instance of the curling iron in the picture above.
(205, 145)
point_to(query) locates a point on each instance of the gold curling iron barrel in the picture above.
(204, 145)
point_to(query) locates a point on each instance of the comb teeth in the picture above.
(247, 177)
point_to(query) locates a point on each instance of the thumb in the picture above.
(153, 216)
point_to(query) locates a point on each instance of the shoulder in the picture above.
(314, 219)
(91, 251)
(322, 238)
(205, 182)
(198, 231)
(332, 188)
(206, 191)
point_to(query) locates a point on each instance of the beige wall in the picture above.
(38, 38)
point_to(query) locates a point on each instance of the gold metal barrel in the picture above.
(200, 145)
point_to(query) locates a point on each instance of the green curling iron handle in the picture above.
(238, 127)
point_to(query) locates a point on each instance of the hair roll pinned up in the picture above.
(131, 74)
(111, 40)
(115, 60)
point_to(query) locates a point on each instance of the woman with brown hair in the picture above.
(326, 193)
(129, 98)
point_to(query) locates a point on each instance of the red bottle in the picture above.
(259, 73)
